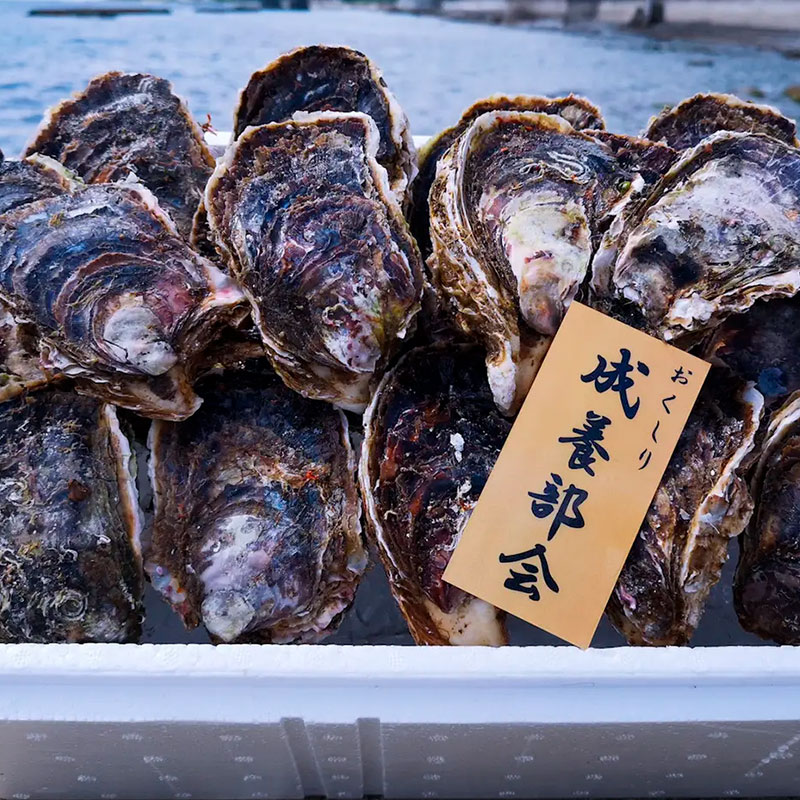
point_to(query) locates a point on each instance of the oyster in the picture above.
(720, 231)
(124, 124)
(257, 531)
(578, 111)
(688, 123)
(515, 211)
(118, 300)
(432, 435)
(699, 505)
(766, 588)
(324, 78)
(32, 178)
(762, 345)
(302, 212)
(23, 182)
(70, 565)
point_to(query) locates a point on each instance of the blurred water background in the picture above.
(436, 67)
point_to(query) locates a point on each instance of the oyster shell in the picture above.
(692, 120)
(23, 182)
(431, 437)
(20, 369)
(124, 124)
(720, 231)
(699, 505)
(649, 161)
(766, 588)
(578, 111)
(119, 301)
(30, 179)
(514, 210)
(762, 345)
(302, 212)
(256, 529)
(70, 565)
(325, 78)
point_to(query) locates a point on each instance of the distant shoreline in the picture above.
(727, 22)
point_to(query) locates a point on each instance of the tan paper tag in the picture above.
(567, 496)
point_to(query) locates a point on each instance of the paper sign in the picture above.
(567, 496)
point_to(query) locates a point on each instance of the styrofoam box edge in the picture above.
(258, 684)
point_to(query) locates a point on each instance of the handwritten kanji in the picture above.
(616, 377)
(586, 442)
(568, 514)
(527, 581)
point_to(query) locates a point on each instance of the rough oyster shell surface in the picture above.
(303, 214)
(700, 504)
(766, 587)
(720, 231)
(70, 564)
(32, 178)
(329, 78)
(514, 213)
(119, 301)
(692, 120)
(578, 111)
(431, 437)
(762, 345)
(124, 124)
(256, 529)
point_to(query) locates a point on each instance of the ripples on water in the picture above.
(435, 67)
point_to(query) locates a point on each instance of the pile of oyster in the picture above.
(262, 304)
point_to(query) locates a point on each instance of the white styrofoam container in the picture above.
(195, 721)
(231, 722)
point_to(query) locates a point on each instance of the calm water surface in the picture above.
(435, 67)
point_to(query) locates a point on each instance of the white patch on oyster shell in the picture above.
(457, 442)
(538, 235)
(473, 623)
(126, 478)
(226, 614)
(133, 335)
(226, 609)
(781, 423)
